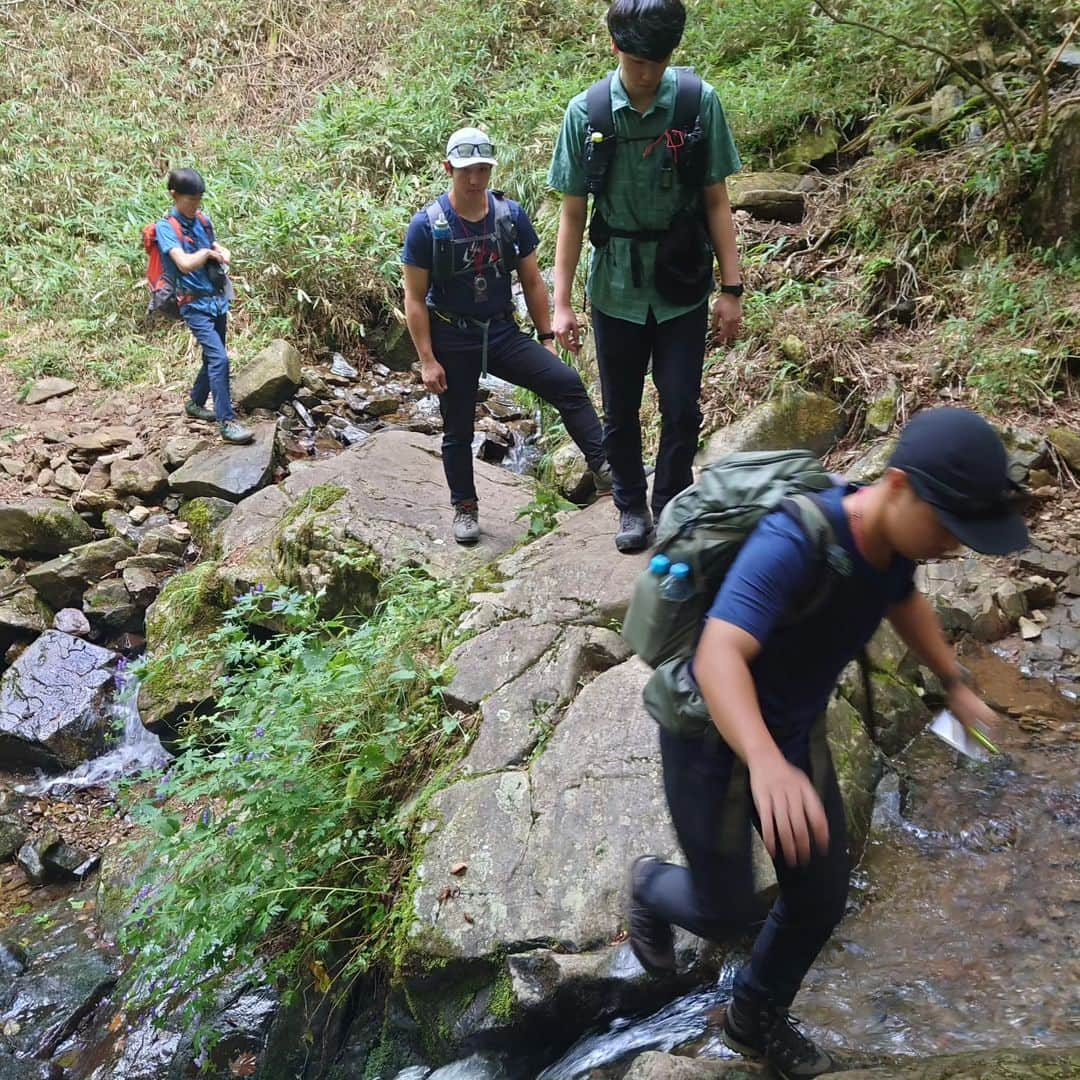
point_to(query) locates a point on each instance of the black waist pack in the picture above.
(683, 270)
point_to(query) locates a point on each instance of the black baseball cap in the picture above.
(955, 461)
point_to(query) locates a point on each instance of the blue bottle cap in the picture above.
(680, 570)
(659, 565)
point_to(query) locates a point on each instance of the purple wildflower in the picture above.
(231, 829)
(260, 587)
(260, 731)
(205, 819)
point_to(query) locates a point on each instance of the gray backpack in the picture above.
(704, 527)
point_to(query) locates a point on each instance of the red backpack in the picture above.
(165, 301)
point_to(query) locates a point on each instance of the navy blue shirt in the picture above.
(196, 283)
(475, 252)
(799, 665)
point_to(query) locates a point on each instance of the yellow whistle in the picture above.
(597, 136)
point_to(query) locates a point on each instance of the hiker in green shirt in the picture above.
(660, 210)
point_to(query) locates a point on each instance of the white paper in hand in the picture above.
(947, 728)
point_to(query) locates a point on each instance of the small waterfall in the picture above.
(138, 750)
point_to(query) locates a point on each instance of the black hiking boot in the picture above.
(635, 526)
(651, 938)
(773, 1034)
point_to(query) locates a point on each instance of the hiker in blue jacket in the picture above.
(460, 252)
(196, 263)
(766, 682)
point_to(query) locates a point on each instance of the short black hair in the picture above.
(650, 29)
(185, 182)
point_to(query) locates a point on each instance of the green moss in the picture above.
(318, 498)
(203, 516)
(502, 1004)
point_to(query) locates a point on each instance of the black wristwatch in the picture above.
(733, 290)
(549, 336)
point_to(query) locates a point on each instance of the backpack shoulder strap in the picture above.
(687, 100)
(599, 135)
(434, 210)
(505, 230)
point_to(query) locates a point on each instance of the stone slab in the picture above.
(228, 472)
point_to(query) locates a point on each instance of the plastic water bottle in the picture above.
(678, 584)
(659, 565)
(444, 259)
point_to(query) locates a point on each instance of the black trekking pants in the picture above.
(519, 359)
(708, 793)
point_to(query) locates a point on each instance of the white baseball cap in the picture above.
(470, 146)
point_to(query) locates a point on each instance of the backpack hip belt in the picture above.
(463, 322)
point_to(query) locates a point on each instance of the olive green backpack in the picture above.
(704, 527)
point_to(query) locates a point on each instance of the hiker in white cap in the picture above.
(459, 254)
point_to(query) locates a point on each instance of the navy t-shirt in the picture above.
(799, 665)
(475, 251)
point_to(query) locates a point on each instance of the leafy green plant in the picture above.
(543, 511)
(278, 829)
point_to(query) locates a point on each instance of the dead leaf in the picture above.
(459, 868)
(448, 893)
(322, 979)
(243, 1065)
(467, 917)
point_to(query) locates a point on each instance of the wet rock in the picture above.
(71, 621)
(65, 862)
(109, 607)
(31, 856)
(144, 478)
(47, 388)
(178, 448)
(12, 837)
(22, 614)
(858, 769)
(342, 368)
(66, 977)
(796, 419)
(41, 527)
(51, 702)
(899, 712)
(62, 581)
(228, 472)
(270, 379)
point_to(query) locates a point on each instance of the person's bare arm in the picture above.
(536, 296)
(790, 810)
(572, 216)
(189, 261)
(917, 624)
(418, 320)
(727, 309)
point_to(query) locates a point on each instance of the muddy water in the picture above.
(963, 926)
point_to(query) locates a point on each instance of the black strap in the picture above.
(599, 153)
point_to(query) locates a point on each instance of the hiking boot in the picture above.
(466, 523)
(773, 1034)
(232, 431)
(198, 412)
(651, 938)
(634, 529)
(602, 479)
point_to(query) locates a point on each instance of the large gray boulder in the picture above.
(769, 196)
(797, 419)
(22, 615)
(41, 527)
(61, 582)
(52, 700)
(270, 378)
(144, 477)
(228, 472)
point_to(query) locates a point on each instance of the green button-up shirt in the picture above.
(632, 198)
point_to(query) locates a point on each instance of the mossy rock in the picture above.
(41, 527)
(203, 515)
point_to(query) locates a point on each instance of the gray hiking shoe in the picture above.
(651, 938)
(466, 523)
(773, 1034)
(198, 412)
(232, 431)
(634, 529)
(602, 479)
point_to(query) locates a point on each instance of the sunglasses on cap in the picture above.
(469, 149)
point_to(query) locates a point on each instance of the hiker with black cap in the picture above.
(762, 673)
(459, 255)
(650, 144)
(198, 266)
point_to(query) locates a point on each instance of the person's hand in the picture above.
(213, 255)
(567, 327)
(223, 252)
(433, 375)
(727, 316)
(972, 711)
(790, 810)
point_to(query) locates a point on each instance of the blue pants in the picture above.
(213, 377)
(677, 350)
(708, 794)
(519, 359)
